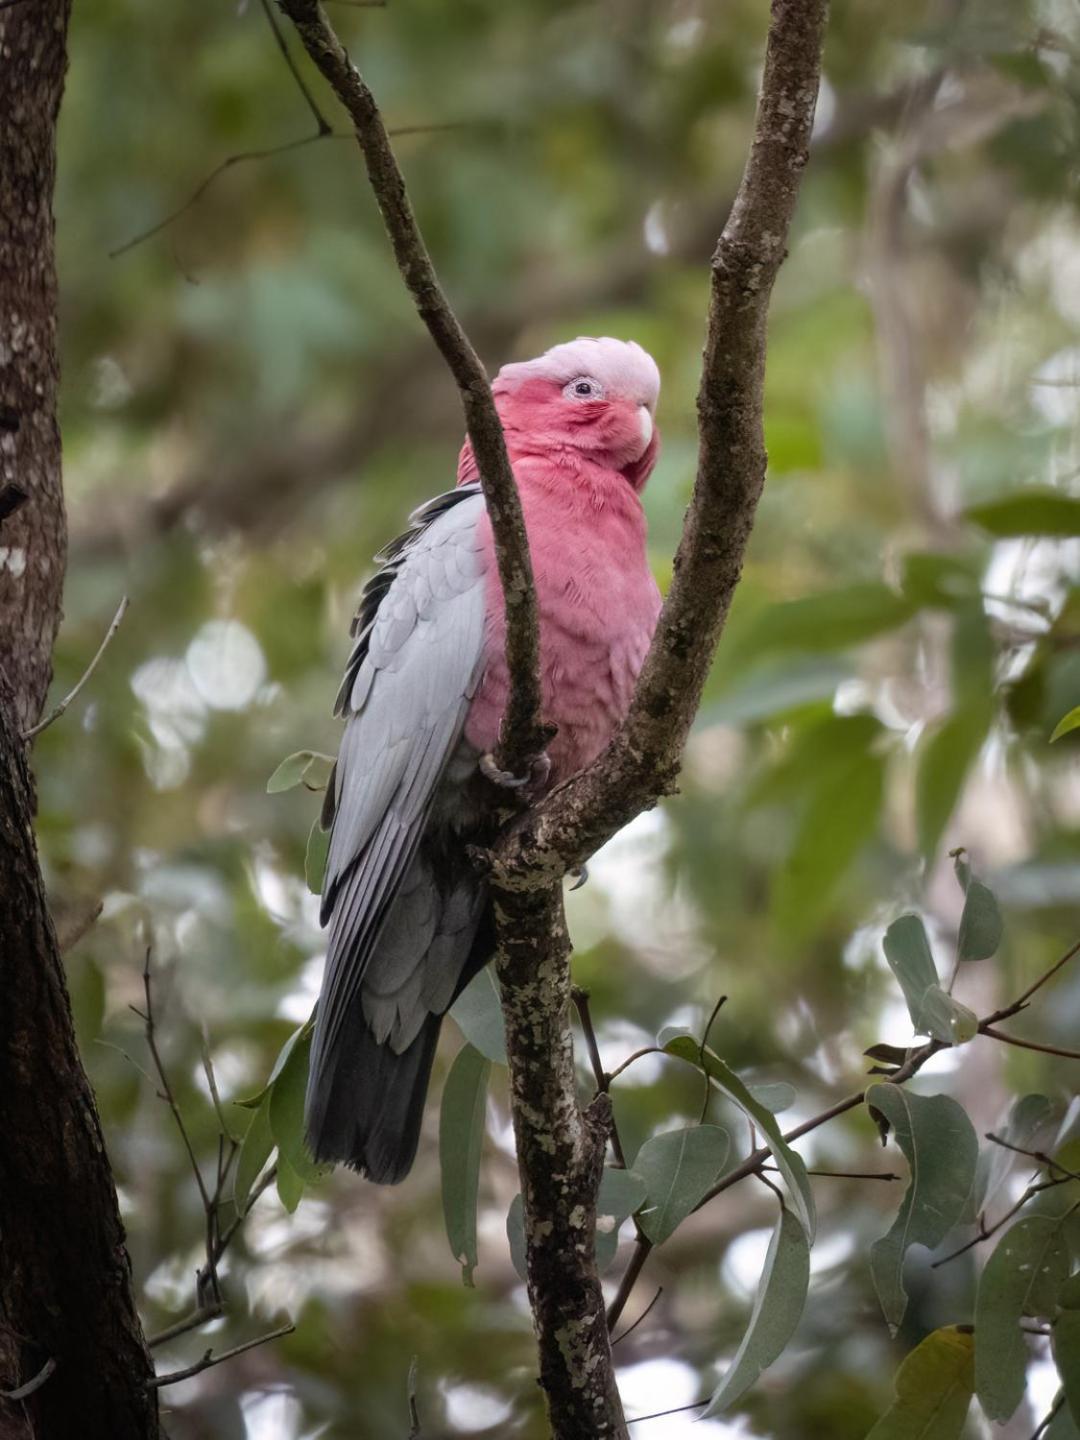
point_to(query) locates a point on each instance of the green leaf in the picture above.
(477, 1012)
(980, 925)
(789, 1164)
(678, 1168)
(308, 767)
(940, 1147)
(287, 1108)
(943, 761)
(290, 1185)
(1067, 1354)
(461, 1138)
(932, 1011)
(775, 689)
(777, 1310)
(255, 1150)
(318, 847)
(621, 1193)
(1067, 724)
(775, 1095)
(831, 620)
(1022, 1277)
(933, 1388)
(1026, 1116)
(846, 809)
(252, 1102)
(1029, 512)
(908, 952)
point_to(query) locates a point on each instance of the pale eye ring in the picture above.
(582, 388)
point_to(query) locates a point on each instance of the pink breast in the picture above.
(598, 607)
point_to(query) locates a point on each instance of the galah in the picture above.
(424, 692)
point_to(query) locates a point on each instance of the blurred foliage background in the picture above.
(250, 410)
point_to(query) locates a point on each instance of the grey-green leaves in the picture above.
(933, 1390)
(678, 1169)
(461, 1137)
(305, 767)
(787, 1162)
(932, 1011)
(478, 1014)
(980, 925)
(1022, 1277)
(940, 1147)
(777, 1310)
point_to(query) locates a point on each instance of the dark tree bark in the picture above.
(67, 1311)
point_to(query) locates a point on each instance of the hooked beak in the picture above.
(646, 421)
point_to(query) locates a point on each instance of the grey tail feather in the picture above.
(365, 1101)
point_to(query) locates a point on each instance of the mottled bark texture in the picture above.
(65, 1281)
(560, 1148)
(560, 1160)
(33, 536)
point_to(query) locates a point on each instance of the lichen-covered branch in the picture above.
(643, 760)
(522, 736)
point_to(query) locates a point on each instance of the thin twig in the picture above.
(1040, 1156)
(1021, 1003)
(631, 1328)
(846, 1174)
(321, 123)
(210, 1359)
(986, 1231)
(701, 1058)
(23, 1392)
(1045, 1423)
(1030, 1044)
(659, 1414)
(202, 1316)
(55, 714)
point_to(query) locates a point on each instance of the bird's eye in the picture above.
(583, 389)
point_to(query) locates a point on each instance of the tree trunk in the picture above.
(67, 1310)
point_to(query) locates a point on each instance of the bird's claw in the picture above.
(539, 771)
(580, 874)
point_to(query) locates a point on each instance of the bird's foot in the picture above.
(579, 875)
(531, 783)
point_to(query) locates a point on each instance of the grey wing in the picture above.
(414, 668)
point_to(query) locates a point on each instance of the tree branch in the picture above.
(522, 736)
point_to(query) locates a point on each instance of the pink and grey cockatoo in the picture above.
(423, 696)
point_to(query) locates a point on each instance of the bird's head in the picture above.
(597, 396)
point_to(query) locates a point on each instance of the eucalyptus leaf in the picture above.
(776, 1095)
(255, 1150)
(290, 1185)
(939, 1144)
(1067, 724)
(1022, 1277)
(287, 1108)
(980, 924)
(1035, 511)
(461, 1138)
(933, 1389)
(788, 1162)
(1026, 1117)
(678, 1168)
(1062, 1426)
(1067, 1354)
(252, 1102)
(289, 773)
(946, 1019)
(943, 760)
(621, 1193)
(477, 1012)
(777, 1310)
(318, 848)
